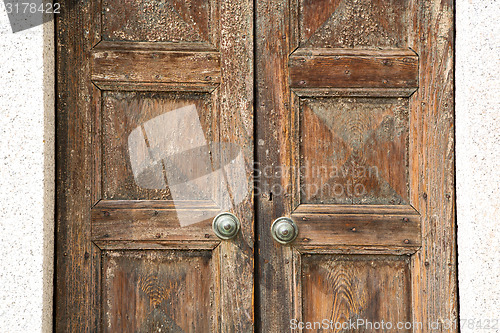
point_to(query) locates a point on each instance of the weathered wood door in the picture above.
(335, 114)
(155, 139)
(354, 139)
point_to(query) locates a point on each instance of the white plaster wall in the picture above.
(26, 177)
(478, 159)
(26, 169)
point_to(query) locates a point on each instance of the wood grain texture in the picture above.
(273, 101)
(104, 45)
(354, 92)
(124, 112)
(357, 228)
(356, 209)
(235, 103)
(351, 288)
(394, 69)
(400, 256)
(275, 271)
(74, 275)
(96, 140)
(434, 268)
(156, 245)
(157, 291)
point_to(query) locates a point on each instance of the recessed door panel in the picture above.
(157, 291)
(147, 135)
(354, 150)
(356, 291)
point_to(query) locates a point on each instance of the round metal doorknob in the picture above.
(284, 230)
(226, 225)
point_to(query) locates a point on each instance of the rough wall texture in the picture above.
(26, 169)
(26, 177)
(478, 160)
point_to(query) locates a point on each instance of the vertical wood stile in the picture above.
(434, 272)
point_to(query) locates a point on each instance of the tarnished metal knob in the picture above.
(284, 230)
(226, 225)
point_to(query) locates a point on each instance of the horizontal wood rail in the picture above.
(153, 220)
(362, 227)
(340, 68)
(142, 65)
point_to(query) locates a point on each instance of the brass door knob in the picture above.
(284, 230)
(226, 225)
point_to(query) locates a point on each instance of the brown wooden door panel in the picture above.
(155, 140)
(353, 129)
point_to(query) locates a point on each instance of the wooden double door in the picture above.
(335, 114)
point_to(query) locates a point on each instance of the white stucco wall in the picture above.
(26, 169)
(478, 159)
(26, 177)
